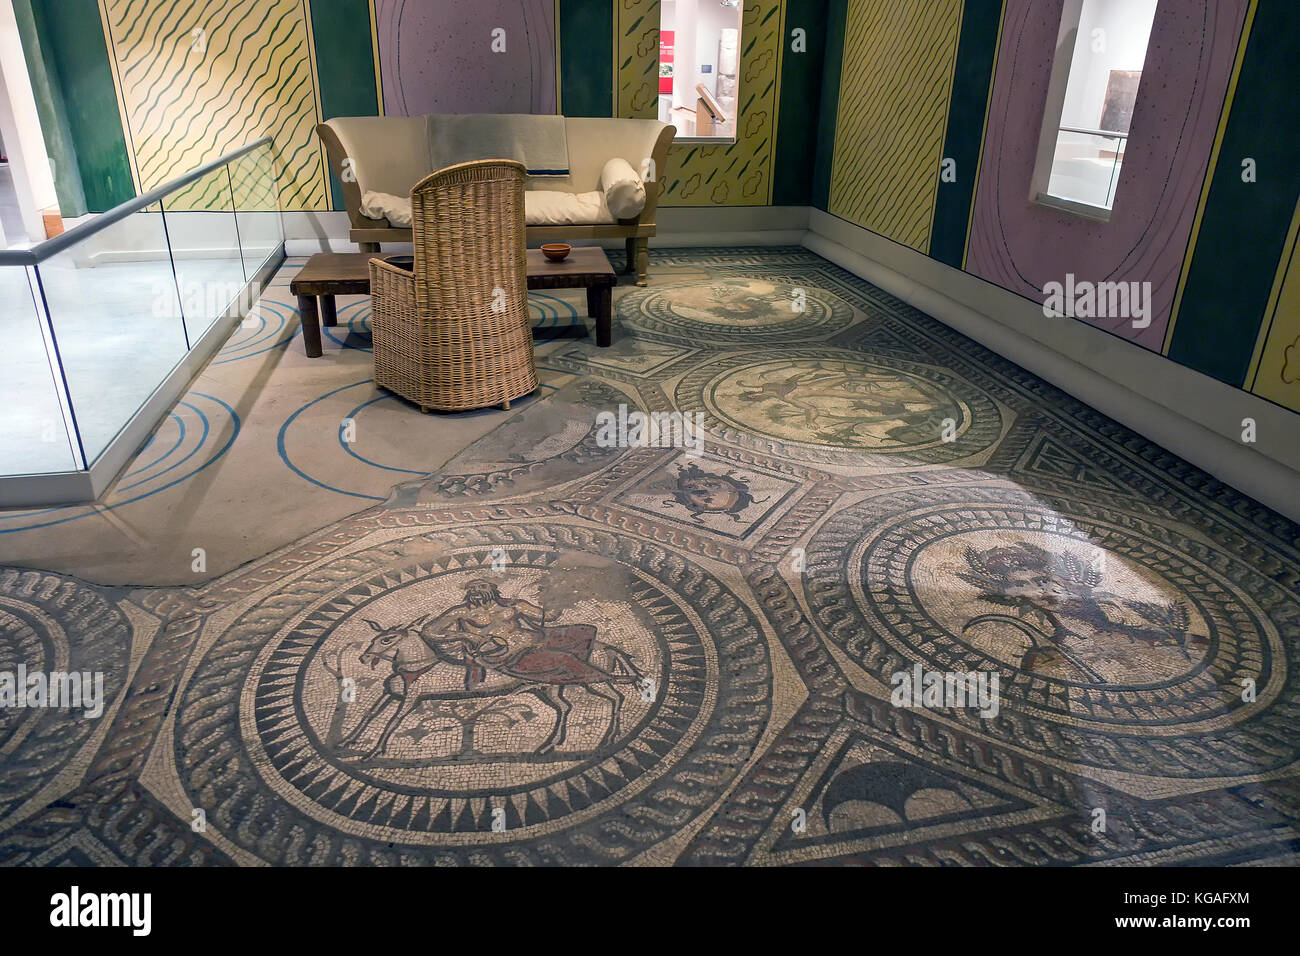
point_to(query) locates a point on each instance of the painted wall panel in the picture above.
(444, 58)
(1021, 245)
(973, 77)
(78, 55)
(1243, 229)
(1277, 375)
(586, 63)
(894, 93)
(198, 79)
(739, 174)
(801, 82)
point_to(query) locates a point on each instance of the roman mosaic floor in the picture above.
(542, 650)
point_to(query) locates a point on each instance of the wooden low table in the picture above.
(328, 274)
(585, 268)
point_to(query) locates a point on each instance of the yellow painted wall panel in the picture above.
(896, 84)
(198, 79)
(1278, 378)
(739, 174)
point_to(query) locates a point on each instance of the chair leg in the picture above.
(505, 406)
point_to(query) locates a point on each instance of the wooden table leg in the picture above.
(600, 307)
(328, 313)
(310, 325)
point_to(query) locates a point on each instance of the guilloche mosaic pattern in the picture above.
(558, 652)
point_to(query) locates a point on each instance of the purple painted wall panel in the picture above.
(435, 56)
(1021, 245)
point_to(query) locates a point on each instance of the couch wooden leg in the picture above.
(505, 406)
(368, 246)
(642, 260)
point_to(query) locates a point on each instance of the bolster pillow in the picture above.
(624, 191)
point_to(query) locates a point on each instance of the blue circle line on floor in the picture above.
(284, 454)
(203, 439)
(234, 418)
(180, 437)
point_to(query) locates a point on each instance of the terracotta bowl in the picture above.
(556, 251)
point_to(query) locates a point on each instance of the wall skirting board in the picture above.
(1138, 388)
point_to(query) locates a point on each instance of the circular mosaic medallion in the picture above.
(1098, 621)
(516, 685)
(726, 311)
(834, 405)
(66, 638)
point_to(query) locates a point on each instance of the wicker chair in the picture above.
(453, 334)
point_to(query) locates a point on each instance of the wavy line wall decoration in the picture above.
(894, 93)
(197, 78)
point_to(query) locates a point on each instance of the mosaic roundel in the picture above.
(833, 405)
(52, 626)
(514, 686)
(740, 310)
(1095, 623)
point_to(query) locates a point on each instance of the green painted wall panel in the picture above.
(1244, 227)
(972, 81)
(586, 32)
(78, 56)
(345, 65)
(801, 87)
(836, 15)
(48, 93)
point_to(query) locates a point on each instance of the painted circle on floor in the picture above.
(1098, 622)
(65, 638)
(516, 684)
(725, 311)
(833, 405)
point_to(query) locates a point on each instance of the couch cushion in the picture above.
(624, 191)
(544, 207)
(396, 209)
(541, 208)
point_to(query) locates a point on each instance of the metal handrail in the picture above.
(1108, 134)
(42, 251)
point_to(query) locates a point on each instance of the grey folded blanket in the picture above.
(539, 142)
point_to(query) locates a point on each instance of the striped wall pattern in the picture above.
(187, 97)
(736, 175)
(895, 87)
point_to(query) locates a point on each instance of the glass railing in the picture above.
(96, 320)
(1086, 166)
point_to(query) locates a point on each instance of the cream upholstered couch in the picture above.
(390, 154)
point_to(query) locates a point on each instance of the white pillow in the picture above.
(546, 207)
(623, 188)
(541, 208)
(396, 209)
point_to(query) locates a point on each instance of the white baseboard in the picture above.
(1140, 389)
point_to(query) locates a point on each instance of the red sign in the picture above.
(666, 61)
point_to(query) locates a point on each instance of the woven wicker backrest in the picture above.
(468, 229)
